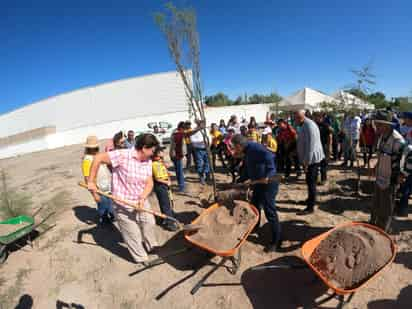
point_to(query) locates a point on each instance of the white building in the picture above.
(103, 110)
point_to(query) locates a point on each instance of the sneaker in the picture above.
(274, 247)
(171, 226)
(202, 181)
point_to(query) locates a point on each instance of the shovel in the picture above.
(275, 178)
(182, 227)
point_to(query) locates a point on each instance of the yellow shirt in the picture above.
(253, 136)
(272, 145)
(86, 165)
(159, 170)
(216, 137)
(187, 139)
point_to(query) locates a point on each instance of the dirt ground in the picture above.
(79, 265)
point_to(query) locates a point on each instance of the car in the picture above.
(162, 130)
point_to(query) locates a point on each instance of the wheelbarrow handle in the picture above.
(117, 199)
(275, 178)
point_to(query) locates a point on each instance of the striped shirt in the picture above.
(406, 161)
(130, 174)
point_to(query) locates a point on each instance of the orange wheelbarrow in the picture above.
(233, 254)
(310, 246)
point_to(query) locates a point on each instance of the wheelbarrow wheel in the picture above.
(3, 253)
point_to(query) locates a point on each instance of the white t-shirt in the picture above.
(197, 140)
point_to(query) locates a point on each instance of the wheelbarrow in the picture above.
(27, 226)
(233, 255)
(310, 246)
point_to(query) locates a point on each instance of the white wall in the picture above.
(108, 129)
(125, 99)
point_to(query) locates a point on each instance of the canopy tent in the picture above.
(350, 101)
(307, 99)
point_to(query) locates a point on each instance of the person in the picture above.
(222, 127)
(243, 131)
(260, 165)
(161, 188)
(234, 123)
(352, 126)
(335, 125)
(406, 127)
(216, 146)
(201, 156)
(367, 141)
(326, 133)
(390, 147)
(269, 141)
(310, 153)
(253, 122)
(130, 142)
(131, 181)
(229, 153)
(104, 204)
(286, 138)
(252, 133)
(119, 140)
(406, 185)
(177, 152)
(190, 154)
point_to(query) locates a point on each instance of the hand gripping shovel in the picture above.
(182, 227)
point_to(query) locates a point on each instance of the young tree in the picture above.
(180, 30)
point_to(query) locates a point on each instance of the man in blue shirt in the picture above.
(260, 165)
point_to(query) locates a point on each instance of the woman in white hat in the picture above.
(104, 204)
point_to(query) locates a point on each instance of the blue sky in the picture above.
(51, 47)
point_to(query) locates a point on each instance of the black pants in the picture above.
(367, 154)
(311, 179)
(163, 196)
(217, 150)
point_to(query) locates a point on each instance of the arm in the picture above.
(146, 192)
(269, 164)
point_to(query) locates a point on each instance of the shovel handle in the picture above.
(116, 199)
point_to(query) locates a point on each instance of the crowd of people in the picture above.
(253, 153)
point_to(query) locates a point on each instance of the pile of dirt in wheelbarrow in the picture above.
(351, 255)
(224, 227)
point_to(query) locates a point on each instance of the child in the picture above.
(253, 134)
(161, 187)
(216, 147)
(103, 180)
(269, 141)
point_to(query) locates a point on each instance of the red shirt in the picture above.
(286, 135)
(179, 140)
(368, 136)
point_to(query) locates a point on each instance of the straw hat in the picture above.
(91, 142)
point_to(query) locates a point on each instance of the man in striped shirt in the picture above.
(406, 186)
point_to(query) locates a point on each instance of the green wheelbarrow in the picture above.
(17, 228)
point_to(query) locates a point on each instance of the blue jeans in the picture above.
(202, 162)
(163, 196)
(406, 190)
(264, 196)
(179, 173)
(104, 206)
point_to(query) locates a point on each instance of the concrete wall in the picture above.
(120, 100)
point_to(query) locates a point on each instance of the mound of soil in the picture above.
(225, 226)
(351, 255)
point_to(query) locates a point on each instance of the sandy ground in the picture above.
(79, 265)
